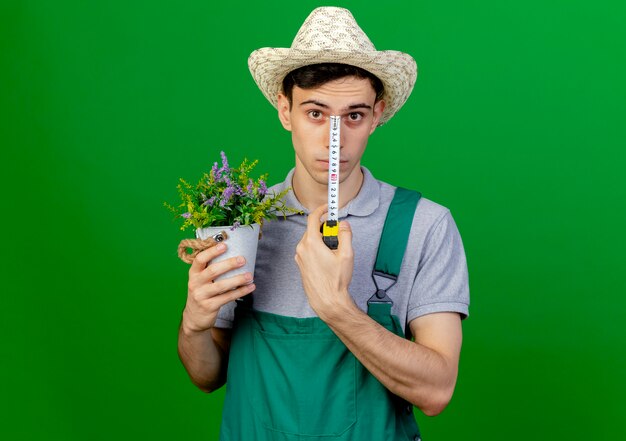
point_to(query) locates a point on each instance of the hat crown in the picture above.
(332, 28)
(331, 35)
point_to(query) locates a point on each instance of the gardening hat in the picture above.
(332, 35)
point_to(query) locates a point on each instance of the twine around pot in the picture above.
(197, 246)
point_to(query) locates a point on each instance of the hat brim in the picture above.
(396, 70)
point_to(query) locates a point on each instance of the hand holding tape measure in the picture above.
(330, 228)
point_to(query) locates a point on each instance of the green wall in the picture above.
(517, 124)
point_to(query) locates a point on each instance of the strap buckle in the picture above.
(380, 296)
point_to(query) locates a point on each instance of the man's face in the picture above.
(308, 121)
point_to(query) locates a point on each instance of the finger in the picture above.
(313, 221)
(223, 285)
(229, 283)
(231, 295)
(204, 257)
(214, 270)
(345, 238)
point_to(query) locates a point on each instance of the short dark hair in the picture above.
(314, 75)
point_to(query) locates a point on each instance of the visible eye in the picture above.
(355, 116)
(315, 114)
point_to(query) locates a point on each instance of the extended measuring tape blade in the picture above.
(330, 229)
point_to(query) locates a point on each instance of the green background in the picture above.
(516, 123)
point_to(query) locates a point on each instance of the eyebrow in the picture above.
(325, 106)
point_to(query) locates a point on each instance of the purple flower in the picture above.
(225, 168)
(262, 187)
(215, 172)
(236, 225)
(228, 193)
(209, 201)
(186, 215)
(250, 187)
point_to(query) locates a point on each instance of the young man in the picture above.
(312, 353)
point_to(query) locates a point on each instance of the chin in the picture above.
(346, 171)
(319, 172)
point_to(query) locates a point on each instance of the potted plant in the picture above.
(227, 204)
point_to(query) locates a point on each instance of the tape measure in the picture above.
(330, 228)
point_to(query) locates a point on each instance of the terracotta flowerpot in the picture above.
(242, 241)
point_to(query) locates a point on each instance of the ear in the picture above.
(379, 106)
(284, 111)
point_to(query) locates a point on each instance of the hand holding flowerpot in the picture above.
(241, 241)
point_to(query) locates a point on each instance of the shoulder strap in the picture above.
(396, 231)
(394, 239)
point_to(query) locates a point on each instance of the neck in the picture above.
(312, 194)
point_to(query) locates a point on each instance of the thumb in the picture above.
(345, 238)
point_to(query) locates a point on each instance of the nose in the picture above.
(335, 135)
